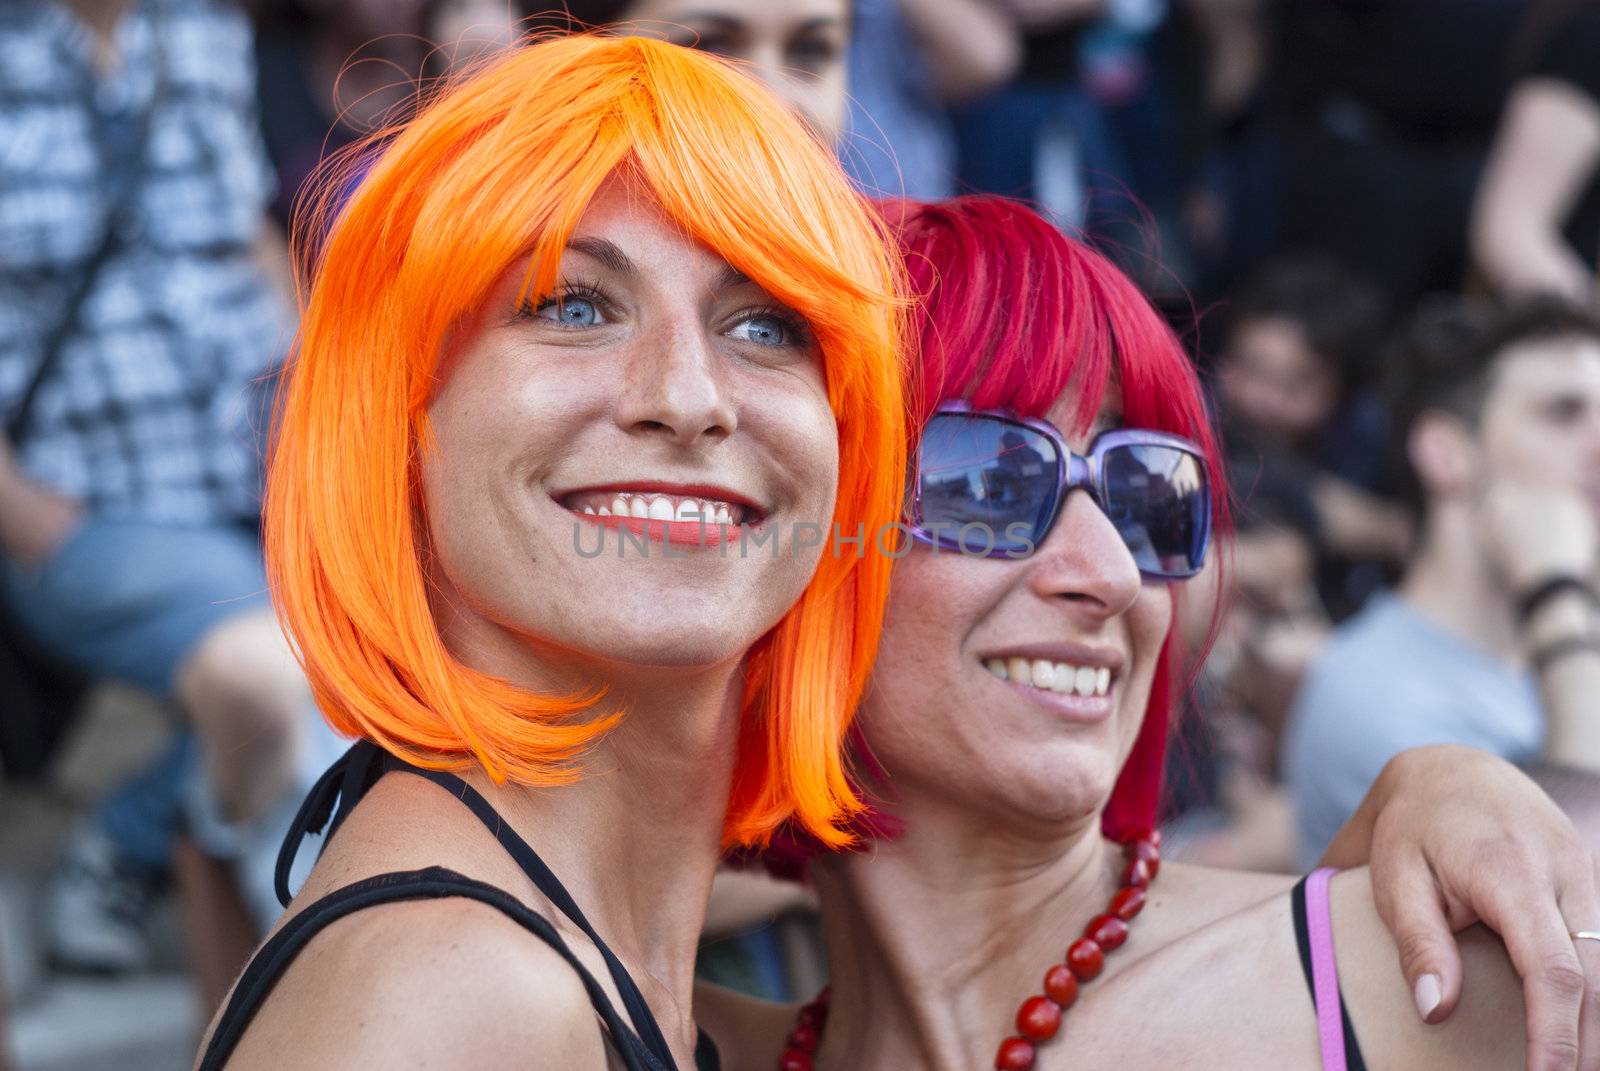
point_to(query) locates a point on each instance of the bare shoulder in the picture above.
(749, 1032)
(437, 983)
(1488, 1028)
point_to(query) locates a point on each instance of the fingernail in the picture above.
(1427, 995)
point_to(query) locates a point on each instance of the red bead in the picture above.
(1085, 959)
(1016, 1054)
(1143, 849)
(794, 1060)
(804, 1037)
(1038, 1019)
(1060, 986)
(1151, 837)
(1107, 931)
(1127, 903)
(1138, 874)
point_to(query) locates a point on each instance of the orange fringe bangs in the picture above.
(505, 161)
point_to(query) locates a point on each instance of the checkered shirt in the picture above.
(152, 408)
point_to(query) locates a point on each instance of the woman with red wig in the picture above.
(1012, 910)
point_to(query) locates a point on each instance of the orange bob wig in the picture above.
(503, 162)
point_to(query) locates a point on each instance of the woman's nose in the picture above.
(1084, 560)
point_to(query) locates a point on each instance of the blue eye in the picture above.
(764, 331)
(571, 311)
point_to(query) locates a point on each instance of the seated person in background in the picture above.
(136, 313)
(1494, 637)
(1299, 428)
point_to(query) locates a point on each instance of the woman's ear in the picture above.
(1444, 454)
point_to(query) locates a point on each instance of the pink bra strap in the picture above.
(1324, 973)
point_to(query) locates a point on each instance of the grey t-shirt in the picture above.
(1391, 679)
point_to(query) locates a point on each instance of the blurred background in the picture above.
(1375, 223)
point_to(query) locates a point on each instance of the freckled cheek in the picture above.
(803, 439)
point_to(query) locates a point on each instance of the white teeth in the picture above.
(659, 508)
(1051, 676)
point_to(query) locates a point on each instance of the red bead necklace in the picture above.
(1039, 1018)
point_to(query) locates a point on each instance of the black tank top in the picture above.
(640, 1045)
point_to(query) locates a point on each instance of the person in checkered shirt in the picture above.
(129, 510)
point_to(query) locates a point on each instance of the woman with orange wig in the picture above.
(600, 330)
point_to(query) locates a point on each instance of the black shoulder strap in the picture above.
(268, 964)
(348, 779)
(1302, 938)
(117, 217)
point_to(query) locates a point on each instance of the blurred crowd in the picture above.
(1376, 222)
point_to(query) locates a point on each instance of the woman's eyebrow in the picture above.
(606, 252)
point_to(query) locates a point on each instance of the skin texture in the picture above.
(661, 379)
(797, 48)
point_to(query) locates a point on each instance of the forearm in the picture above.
(1523, 255)
(1566, 632)
(33, 519)
(971, 45)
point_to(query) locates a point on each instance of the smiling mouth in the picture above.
(1063, 678)
(657, 506)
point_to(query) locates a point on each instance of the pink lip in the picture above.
(1083, 709)
(678, 533)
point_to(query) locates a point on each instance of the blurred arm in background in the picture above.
(970, 46)
(1545, 155)
(1533, 534)
(33, 519)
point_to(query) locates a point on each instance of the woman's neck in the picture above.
(637, 840)
(935, 938)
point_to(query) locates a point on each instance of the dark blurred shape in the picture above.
(1387, 110)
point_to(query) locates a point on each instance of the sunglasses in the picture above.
(992, 484)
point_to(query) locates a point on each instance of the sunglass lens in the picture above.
(987, 483)
(1158, 499)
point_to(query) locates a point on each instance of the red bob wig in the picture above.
(1014, 313)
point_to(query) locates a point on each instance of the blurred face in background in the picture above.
(1541, 416)
(797, 47)
(1274, 382)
